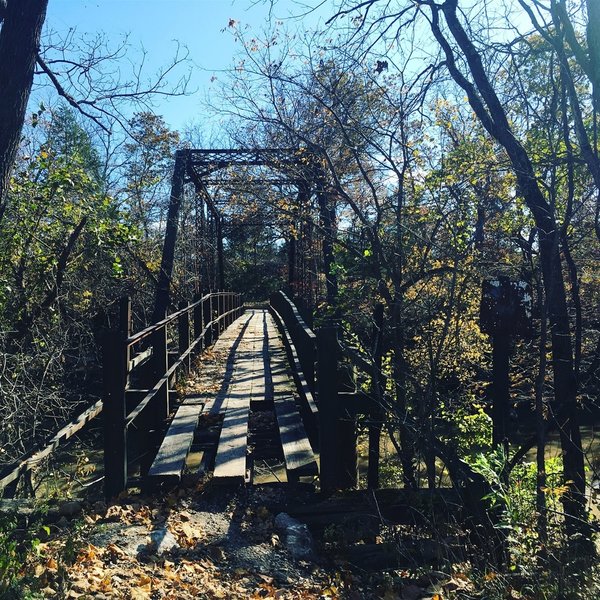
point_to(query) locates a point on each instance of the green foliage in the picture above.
(52, 193)
(62, 239)
(10, 558)
(148, 163)
(17, 549)
(473, 430)
(517, 497)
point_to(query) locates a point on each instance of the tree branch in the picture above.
(62, 92)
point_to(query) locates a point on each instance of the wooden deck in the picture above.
(255, 375)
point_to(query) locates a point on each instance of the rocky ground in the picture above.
(200, 541)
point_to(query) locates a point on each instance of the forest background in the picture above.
(460, 144)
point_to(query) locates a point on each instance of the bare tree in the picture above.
(469, 60)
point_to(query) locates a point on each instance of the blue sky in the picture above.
(197, 24)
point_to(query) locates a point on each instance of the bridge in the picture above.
(271, 362)
(272, 353)
(310, 384)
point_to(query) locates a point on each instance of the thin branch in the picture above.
(62, 92)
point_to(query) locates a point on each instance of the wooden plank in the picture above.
(219, 404)
(140, 358)
(299, 457)
(301, 382)
(198, 399)
(298, 454)
(400, 506)
(170, 459)
(230, 461)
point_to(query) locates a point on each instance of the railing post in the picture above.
(207, 318)
(151, 422)
(198, 322)
(327, 348)
(214, 313)
(337, 431)
(115, 366)
(311, 361)
(161, 366)
(228, 309)
(220, 311)
(183, 326)
(223, 310)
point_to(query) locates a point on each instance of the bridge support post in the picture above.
(337, 436)
(115, 359)
(163, 286)
(183, 326)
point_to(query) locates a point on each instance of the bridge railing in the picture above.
(301, 347)
(139, 371)
(302, 336)
(329, 411)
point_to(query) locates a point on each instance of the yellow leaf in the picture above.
(144, 583)
(139, 594)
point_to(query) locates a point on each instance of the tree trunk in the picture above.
(19, 44)
(327, 219)
(489, 110)
(407, 437)
(163, 287)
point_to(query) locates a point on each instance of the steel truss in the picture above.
(205, 168)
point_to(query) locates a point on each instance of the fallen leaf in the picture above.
(144, 583)
(139, 594)
(87, 555)
(38, 571)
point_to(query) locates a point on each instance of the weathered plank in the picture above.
(298, 454)
(248, 378)
(299, 457)
(400, 506)
(172, 454)
(171, 458)
(310, 408)
(219, 404)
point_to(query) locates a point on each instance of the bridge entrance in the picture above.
(234, 192)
